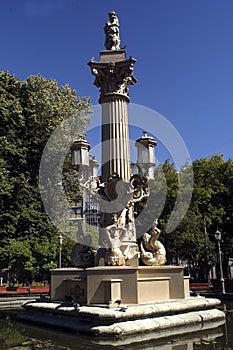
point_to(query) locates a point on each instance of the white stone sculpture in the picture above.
(153, 252)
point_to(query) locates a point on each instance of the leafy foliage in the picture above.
(211, 208)
(29, 112)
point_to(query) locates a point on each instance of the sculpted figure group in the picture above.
(118, 197)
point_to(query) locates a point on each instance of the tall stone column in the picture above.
(114, 73)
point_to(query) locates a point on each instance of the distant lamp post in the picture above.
(60, 239)
(146, 153)
(218, 239)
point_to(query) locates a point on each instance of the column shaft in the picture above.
(115, 139)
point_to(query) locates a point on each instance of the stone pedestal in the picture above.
(103, 285)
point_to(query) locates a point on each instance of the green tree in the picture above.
(212, 200)
(211, 207)
(213, 192)
(30, 111)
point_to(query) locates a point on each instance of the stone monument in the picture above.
(123, 280)
(121, 269)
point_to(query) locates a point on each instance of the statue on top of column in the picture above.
(112, 32)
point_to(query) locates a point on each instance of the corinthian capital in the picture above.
(113, 77)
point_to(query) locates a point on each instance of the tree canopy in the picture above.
(30, 111)
(211, 208)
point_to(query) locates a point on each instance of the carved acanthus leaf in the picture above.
(113, 78)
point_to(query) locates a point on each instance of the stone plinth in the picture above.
(132, 285)
(107, 56)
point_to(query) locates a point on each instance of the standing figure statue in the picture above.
(112, 32)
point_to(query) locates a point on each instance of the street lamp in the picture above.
(146, 153)
(80, 155)
(218, 239)
(60, 250)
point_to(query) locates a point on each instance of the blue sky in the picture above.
(184, 52)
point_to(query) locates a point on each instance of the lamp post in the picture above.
(146, 153)
(80, 155)
(60, 250)
(218, 239)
